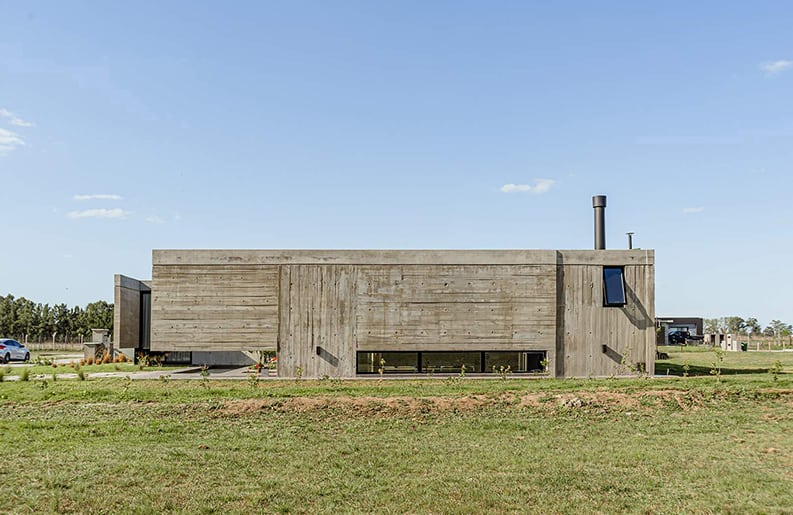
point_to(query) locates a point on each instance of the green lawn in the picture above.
(701, 359)
(420, 446)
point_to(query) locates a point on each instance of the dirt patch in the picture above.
(598, 401)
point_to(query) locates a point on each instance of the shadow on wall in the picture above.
(643, 321)
(328, 357)
(612, 354)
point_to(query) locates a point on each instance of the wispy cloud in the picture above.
(772, 68)
(98, 213)
(9, 141)
(98, 196)
(540, 186)
(14, 119)
(155, 220)
(689, 210)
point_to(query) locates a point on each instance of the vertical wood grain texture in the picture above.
(626, 331)
(316, 323)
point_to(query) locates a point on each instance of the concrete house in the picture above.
(347, 313)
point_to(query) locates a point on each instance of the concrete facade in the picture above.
(321, 310)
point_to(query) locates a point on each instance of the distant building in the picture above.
(669, 325)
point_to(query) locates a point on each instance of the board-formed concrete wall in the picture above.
(126, 312)
(317, 308)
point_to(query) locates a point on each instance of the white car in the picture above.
(12, 349)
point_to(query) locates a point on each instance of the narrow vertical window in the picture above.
(613, 286)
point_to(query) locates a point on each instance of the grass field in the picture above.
(701, 359)
(432, 445)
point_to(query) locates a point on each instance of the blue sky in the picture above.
(127, 126)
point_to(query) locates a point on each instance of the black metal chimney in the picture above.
(599, 203)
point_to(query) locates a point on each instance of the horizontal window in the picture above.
(449, 362)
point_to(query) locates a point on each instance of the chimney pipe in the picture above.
(599, 203)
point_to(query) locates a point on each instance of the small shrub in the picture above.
(71, 364)
(205, 376)
(106, 358)
(718, 360)
(54, 365)
(89, 361)
(116, 359)
(25, 375)
(82, 361)
(122, 358)
(502, 371)
(81, 375)
(776, 370)
(54, 376)
(253, 380)
(2, 375)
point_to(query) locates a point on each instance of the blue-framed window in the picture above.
(613, 286)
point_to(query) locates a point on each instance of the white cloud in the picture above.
(540, 186)
(14, 119)
(98, 196)
(689, 210)
(155, 220)
(772, 68)
(98, 213)
(9, 141)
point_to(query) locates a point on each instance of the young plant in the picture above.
(776, 370)
(205, 376)
(686, 368)
(381, 370)
(299, 373)
(25, 374)
(253, 380)
(502, 371)
(462, 371)
(718, 361)
(81, 375)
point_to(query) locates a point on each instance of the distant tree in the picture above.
(711, 325)
(734, 325)
(753, 327)
(99, 315)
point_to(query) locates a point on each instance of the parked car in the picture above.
(12, 349)
(682, 338)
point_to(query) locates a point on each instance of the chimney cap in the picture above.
(599, 201)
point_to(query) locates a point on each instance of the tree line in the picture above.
(746, 327)
(22, 318)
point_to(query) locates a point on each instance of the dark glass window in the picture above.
(390, 362)
(451, 362)
(613, 286)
